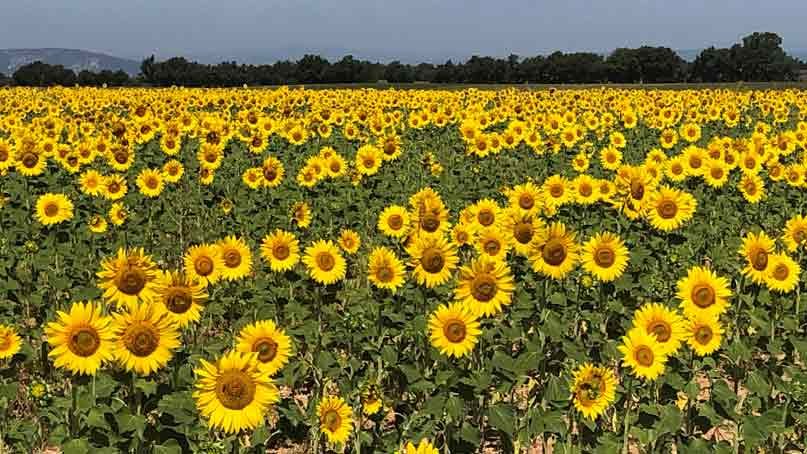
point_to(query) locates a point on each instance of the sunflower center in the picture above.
(486, 218)
(3, 155)
(232, 258)
(235, 389)
(781, 272)
(432, 260)
(141, 339)
(760, 260)
(269, 173)
(703, 334)
(113, 187)
(637, 190)
(717, 173)
(590, 390)
(492, 246)
(203, 266)
(430, 222)
(395, 222)
(389, 148)
(522, 232)
(585, 189)
(385, 274)
(483, 287)
(121, 156)
(369, 162)
(5, 342)
(556, 190)
(84, 342)
(800, 235)
(152, 183)
(30, 160)
(703, 296)
(131, 280)
(331, 420)
(266, 349)
(454, 331)
(661, 329)
(667, 209)
(554, 252)
(178, 300)
(335, 166)
(526, 202)
(326, 261)
(51, 209)
(695, 162)
(644, 356)
(604, 257)
(281, 252)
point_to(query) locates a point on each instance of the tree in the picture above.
(41, 74)
(714, 65)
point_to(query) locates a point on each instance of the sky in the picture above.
(409, 30)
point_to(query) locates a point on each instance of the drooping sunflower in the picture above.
(485, 286)
(371, 402)
(233, 393)
(757, 250)
(556, 253)
(642, 353)
(704, 333)
(783, 273)
(128, 277)
(324, 262)
(433, 259)
(605, 256)
(425, 447)
(665, 324)
(669, 208)
(145, 337)
(593, 389)
(335, 419)
(394, 221)
(795, 234)
(9, 342)
(349, 241)
(454, 329)
(53, 208)
(81, 339)
(270, 344)
(702, 290)
(281, 250)
(182, 297)
(236, 256)
(493, 243)
(385, 270)
(204, 263)
(150, 182)
(301, 214)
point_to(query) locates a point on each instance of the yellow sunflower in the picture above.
(173, 171)
(145, 337)
(236, 256)
(666, 325)
(454, 329)
(233, 393)
(704, 333)
(128, 277)
(757, 250)
(425, 447)
(204, 263)
(324, 262)
(368, 160)
(114, 187)
(371, 402)
(53, 208)
(752, 188)
(394, 221)
(433, 259)
(485, 286)
(385, 270)
(526, 197)
(486, 212)
(301, 214)
(522, 229)
(98, 224)
(493, 243)
(669, 208)
(273, 172)
(593, 389)
(642, 353)
(9, 342)
(702, 290)
(349, 241)
(795, 233)
(783, 273)
(605, 256)
(270, 344)
(335, 419)
(281, 250)
(557, 191)
(182, 297)
(81, 340)
(117, 213)
(90, 182)
(556, 253)
(150, 182)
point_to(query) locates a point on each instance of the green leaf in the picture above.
(470, 434)
(169, 447)
(670, 421)
(77, 446)
(501, 417)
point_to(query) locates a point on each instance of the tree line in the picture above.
(758, 58)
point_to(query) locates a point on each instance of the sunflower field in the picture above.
(402, 271)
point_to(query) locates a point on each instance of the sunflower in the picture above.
(752, 188)
(150, 182)
(236, 256)
(270, 344)
(674, 169)
(666, 325)
(634, 186)
(324, 262)
(605, 256)
(526, 197)
(128, 277)
(669, 208)
(486, 212)
(715, 173)
(273, 172)
(593, 390)
(454, 329)
(182, 297)
(90, 182)
(114, 187)
(368, 160)
(173, 171)
(281, 250)
(429, 217)
(29, 163)
(556, 190)
(394, 221)
(433, 259)
(583, 188)
(335, 419)
(555, 253)
(234, 393)
(81, 339)
(117, 213)
(145, 338)
(462, 234)
(425, 447)
(97, 224)
(642, 353)
(703, 291)
(301, 214)
(783, 273)
(795, 233)
(485, 286)
(9, 342)
(385, 270)
(204, 263)
(336, 166)
(253, 177)
(53, 209)
(704, 333)
(757, 250)
(522, 229)
(349, 241)
(610, 158)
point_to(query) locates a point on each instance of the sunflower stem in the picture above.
(628, 403)
(73, 409)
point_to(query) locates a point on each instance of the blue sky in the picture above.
(431, 29)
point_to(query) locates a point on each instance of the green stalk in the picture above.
(628, 402)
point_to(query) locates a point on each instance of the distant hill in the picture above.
(75, 59)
